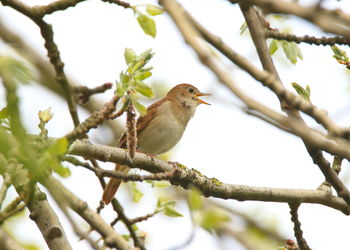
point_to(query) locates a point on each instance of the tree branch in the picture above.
(46, 74)
(52, 50)
(7, 242)
(298, 233)
(325, 41)
(186, 178)
(63, 195)
(298, 125)
(331, 21)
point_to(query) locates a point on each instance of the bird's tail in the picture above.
(113, 184)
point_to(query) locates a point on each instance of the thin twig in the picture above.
(121, 215)
(142, 218)
(325, 41)
(298, 233)
(52, 52)
(93, 120)
(120, 175)
(13, 208)
(85, 93)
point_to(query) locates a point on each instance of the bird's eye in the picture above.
(191, 90)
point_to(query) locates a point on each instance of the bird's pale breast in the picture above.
(162, 133)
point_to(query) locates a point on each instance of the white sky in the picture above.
(220, 141)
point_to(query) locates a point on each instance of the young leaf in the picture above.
(4, 114)
(129, 55)
(120, 90)
(61, 170)
(147, 24)
(213, 218)
(292, 51)
(273, 46)
(139, 107)
(144, 89)
(163, 202)
(171, 212)
(305, 93)
(153, 10)
(14, 70)
(136, 193)
(142, 75)
(160, 184)
(195, 199)
(340, 55)
(59, 147)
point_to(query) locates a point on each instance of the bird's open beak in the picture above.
(200, 100)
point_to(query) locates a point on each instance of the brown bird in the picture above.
(161, 128)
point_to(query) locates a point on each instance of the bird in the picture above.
(161, 128)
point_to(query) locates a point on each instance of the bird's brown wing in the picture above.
(141, 122)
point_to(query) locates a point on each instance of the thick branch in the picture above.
(299, 127)
(266, 78)
(208, 186)
(256, 30)
(63, 195)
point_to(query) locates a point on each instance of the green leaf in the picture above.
(195, 199)
(142, 75)
(139, 107)
(147, 24)
(292, 51)
(15, 70)
(120, 90)
(273, 46)
(61, 170)
(171, 212)
(163, 202)
(154, 10)
(213, 218)
(340, 55)
(58, 147)
(141, 61)
(129, 55)
(124, 79)
(45, 115)
(126, 237)
(160, 184)
(4, 114)
(300, 54)
(308, 91)
(305, 93)
(144, 89)
(136, 193)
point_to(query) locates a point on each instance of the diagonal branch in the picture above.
(332, 21)
(257, 32)
(52, 52)
(299, 127)
(63, 195)
(46, 74)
